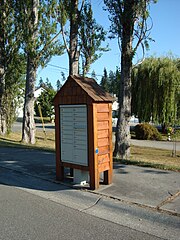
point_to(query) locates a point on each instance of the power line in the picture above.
(58, 67)
(52, 65)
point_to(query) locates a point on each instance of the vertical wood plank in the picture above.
(93, 165)
(108, 173)
(59, 168)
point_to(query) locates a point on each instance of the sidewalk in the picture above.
(146, 187)
(169, 145)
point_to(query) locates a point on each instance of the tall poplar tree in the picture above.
(11, 65)
(91, 35)
(84, 37)
(128, 22)
(37, 20)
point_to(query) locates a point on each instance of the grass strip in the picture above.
(147, 164)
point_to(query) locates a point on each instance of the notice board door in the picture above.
(73, 134)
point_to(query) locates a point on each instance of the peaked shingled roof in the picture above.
(90, 86)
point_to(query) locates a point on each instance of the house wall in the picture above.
(19, 111)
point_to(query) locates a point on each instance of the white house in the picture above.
(37, 93)
(115, 107)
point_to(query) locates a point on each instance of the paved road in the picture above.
(169, 145)
(17, 126)
(27, 216)
(130, 202)
(32, 208)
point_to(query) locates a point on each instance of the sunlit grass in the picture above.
(158, 158)
(44, 142)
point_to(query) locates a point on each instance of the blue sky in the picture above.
(166, 33)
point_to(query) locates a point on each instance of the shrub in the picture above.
(145, 131)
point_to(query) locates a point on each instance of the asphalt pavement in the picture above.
(141, 198)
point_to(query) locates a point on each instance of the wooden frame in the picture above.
(99, 127)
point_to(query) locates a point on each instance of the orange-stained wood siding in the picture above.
(103, 133)
(103, 158)
(102, 125)
(104, 167)
(104, 136)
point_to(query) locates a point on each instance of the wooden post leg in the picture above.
(94, 180)
(71, 172)
(107, 177)
(60, 173)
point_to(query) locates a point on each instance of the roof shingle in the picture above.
(90, 86)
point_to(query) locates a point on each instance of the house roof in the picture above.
(91, 87)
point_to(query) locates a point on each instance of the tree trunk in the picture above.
(28, 128)
(73, 51)
(122, 144)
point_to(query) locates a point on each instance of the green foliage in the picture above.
(105, 81)
(38, 30)
(91, 36)
(134, 14)
(156, 90)
(145, 131)
(111, 82)
(176, 134)
(14, 88)
(82, 35)
(45, 100)
(58, 85)
(13, 63)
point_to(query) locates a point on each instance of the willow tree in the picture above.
(129, 24)
(81, 34)
(37, 23)
(156, 89)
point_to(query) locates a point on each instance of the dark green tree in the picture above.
(93, 75)
(63, 76)
(129, 25)
(105, 81)
(45, 100)
(58, 85)
(110, 82)
(114, 80)
(40, 82)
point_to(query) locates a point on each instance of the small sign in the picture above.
(97, 151)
